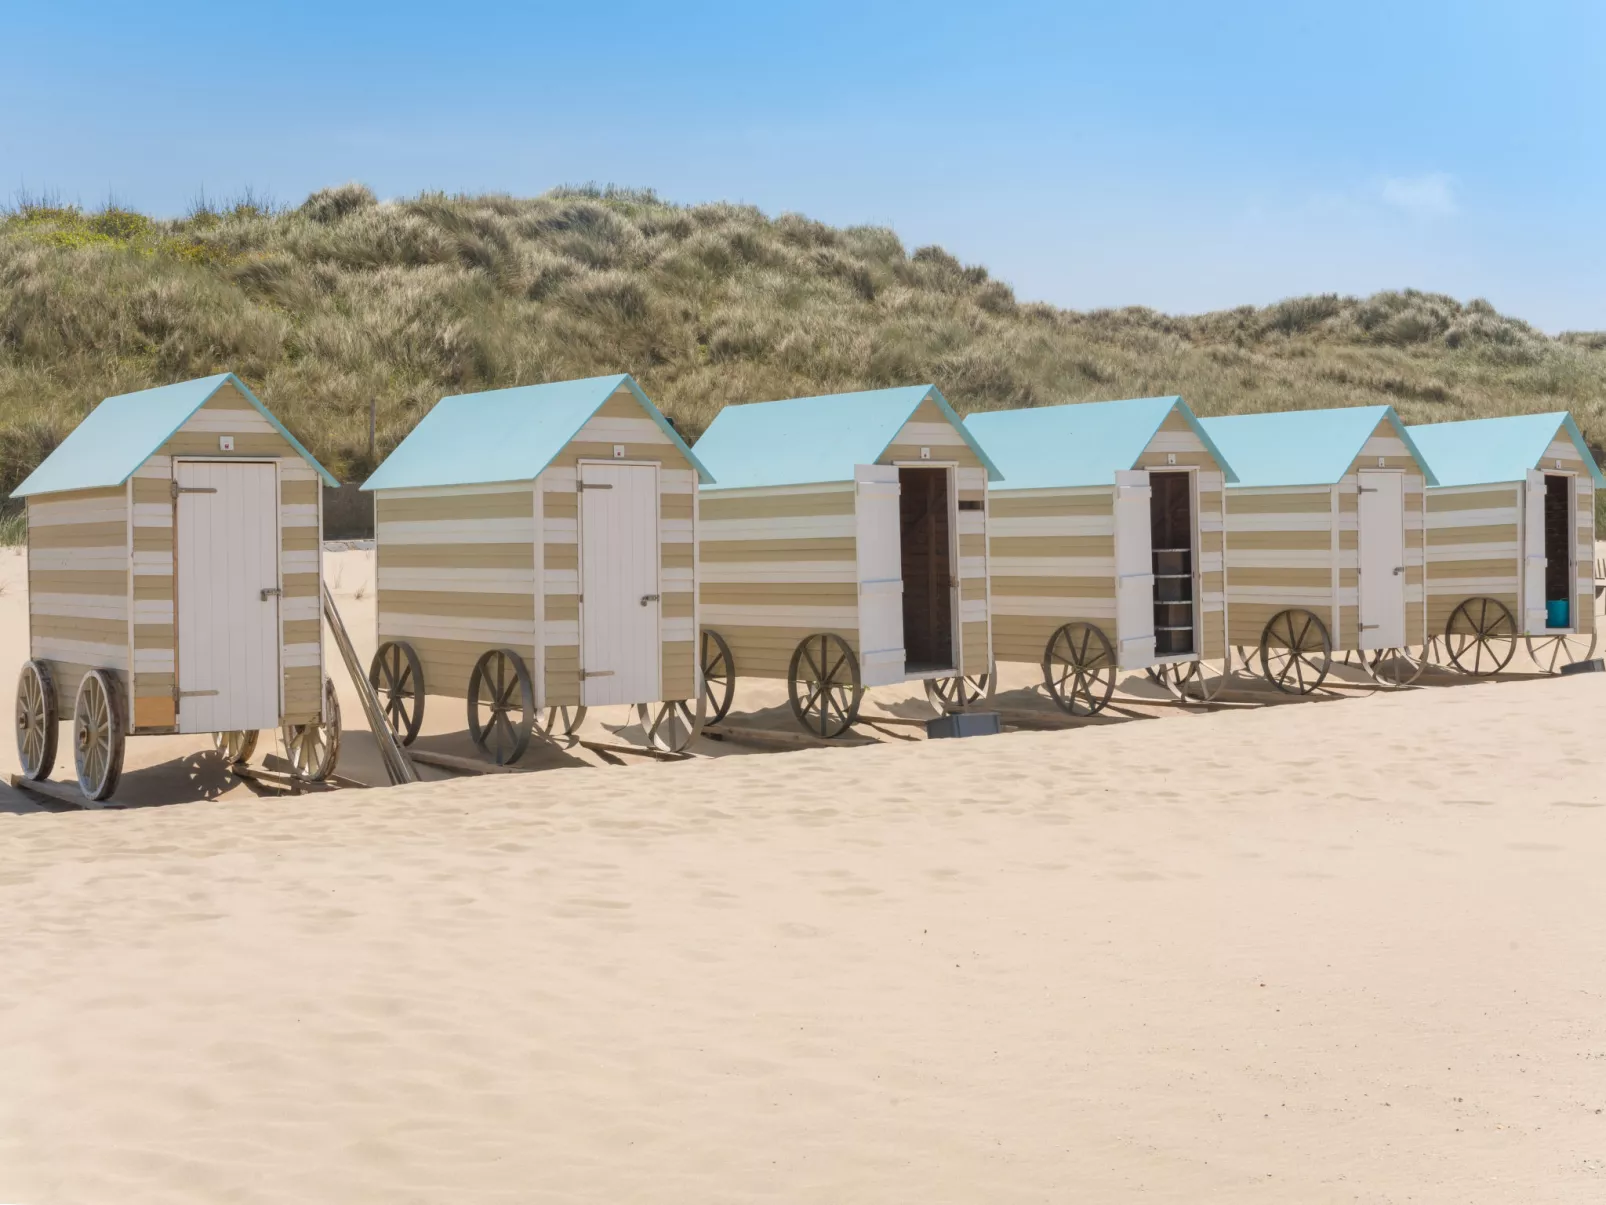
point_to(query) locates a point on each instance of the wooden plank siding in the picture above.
(78, 596)
(1053, 552)
(1298, 547)
(776, 565)
(462, 570)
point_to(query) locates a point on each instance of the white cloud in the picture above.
(1427, 196)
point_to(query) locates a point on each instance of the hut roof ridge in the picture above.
(506, 434)
(1077, 444)
(124, 431)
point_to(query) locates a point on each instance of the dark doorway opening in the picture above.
(1171, 540)
(928, 639)
(1558, 550)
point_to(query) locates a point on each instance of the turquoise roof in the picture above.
(125, 431)
(1078, 443)
(1486, 451)
(1303, 447)
(505, 434)
(804, 440)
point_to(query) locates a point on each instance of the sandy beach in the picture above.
(1343, 952)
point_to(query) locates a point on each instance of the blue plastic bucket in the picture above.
(1558, 614)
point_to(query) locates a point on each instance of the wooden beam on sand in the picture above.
(56, 792)
(636, 750)
(775, 738)
(463, 765)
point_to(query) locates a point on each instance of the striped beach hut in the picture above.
(1325, 542)
(174, 584)
(1511, 540)
(536, 556)
(1106, 547)
(844, 545)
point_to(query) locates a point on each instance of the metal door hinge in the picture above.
(596, 673)
(269, 590)
(594, 485)
(178, 489)
(1364, 626)
(1366, 489)
(647, 598)
(195, 694)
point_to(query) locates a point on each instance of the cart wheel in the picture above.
(37, 720)
(501, 706)
(670, 726)
(236, 747)
(1196, 681)
(560, 721)
(1550, 653)
(956, 694)
(397, 676)
(719, 676)
(97, 726)
(1079, 668)
(1393, 668)
(1481, 637)
(1295, 651)
(313, 749)
(823, 684)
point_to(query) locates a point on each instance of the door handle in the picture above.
(266, 591)
(1399, 569)
(648, 598)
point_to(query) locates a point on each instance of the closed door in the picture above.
(1381, 520)
(226, 547)
(619, 596)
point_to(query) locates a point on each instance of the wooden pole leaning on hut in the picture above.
(398, 766)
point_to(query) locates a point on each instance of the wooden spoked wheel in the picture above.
(98, 735)
(561, 721)
(501, 706)
(1481, 637)
(823, 685)
(1393, 668)
(1550, 653)
(314, 749)
(37, 721)
(1079, 668)
(956, 694)
(671, 726)
(1195, 681)
(719, 676)
(236, 747)
(398, 678)
(1295, 651)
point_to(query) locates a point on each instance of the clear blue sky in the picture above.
(1181, 155)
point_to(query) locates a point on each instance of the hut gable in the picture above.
(1488, 451)
(819, 440)
(1313, 447)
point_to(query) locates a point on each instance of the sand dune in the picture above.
(1323, 953)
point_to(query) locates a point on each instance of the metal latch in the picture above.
(269, 590)
(594, 485)
(178, 489)
(647, 598)
(596, 673)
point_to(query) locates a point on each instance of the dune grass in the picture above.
(342, 301)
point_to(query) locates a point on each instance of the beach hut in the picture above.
(1511, 540)
(844, 545)
(174, 584)
(536, 556)
(1106, 546)
(1324, 543)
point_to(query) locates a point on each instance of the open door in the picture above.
(1134, 571)
(1171, 528)
(1533, 555)
(1559, 551)
(880, 573)
(925, 541)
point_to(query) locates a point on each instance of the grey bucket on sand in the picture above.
(967, 723)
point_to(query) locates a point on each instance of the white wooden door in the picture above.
(226, 574)
(1381, 519)
(878, 540)
(1134, 570)
(620, 603)
(1534, 617)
